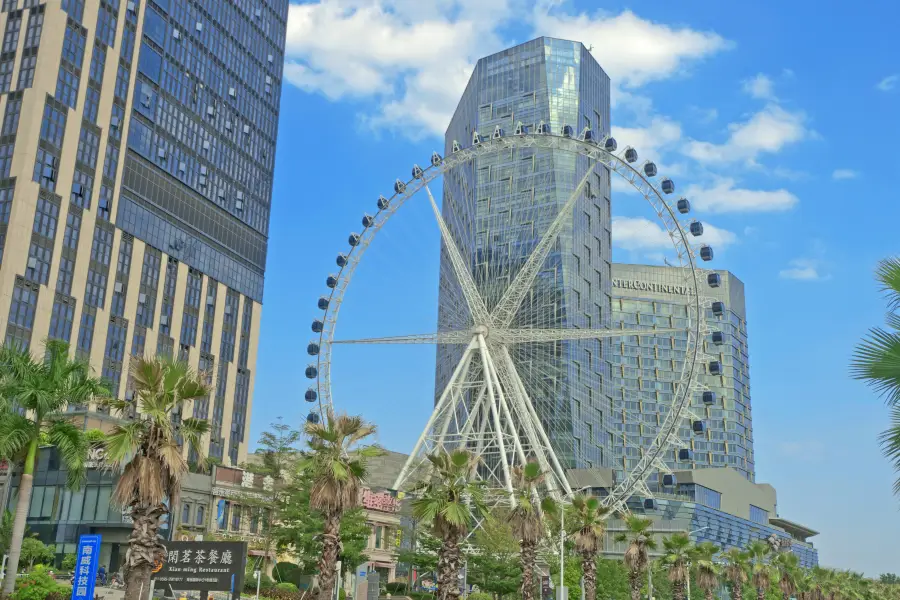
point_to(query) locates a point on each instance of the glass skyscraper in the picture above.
(644, 370)
(498, 207)
(136, 159)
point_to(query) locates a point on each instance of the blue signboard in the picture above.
(87, 561)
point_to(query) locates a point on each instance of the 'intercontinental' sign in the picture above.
(648, 286)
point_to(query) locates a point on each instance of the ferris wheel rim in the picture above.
(439, 166)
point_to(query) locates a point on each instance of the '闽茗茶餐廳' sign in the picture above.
(649, 286)
(207, 566)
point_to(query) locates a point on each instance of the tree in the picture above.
(35, 551)
(678, 554)
(706, 568)
(493, 557)
(786, 567)
(637, 555)
(877, 360)
(589, 519)
(760, 570)
(149, 453)
(278, 454)
(889, 579)
(35, 393)
(736, 571)
(527, 521)
(337, 467)
(449, 501)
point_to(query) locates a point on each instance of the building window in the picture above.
(185, 513)
(66, 272)
(21, 313)
(6, 70)
(200, 515)
(122, 81)
(95, 288)
(106, 25)
(53, 124)
(75, 8)
(708, 497)
(98, 63)
(88, 146)
(26, 71)
(13, 110)
(91, 104)
(11, 34)
(82, 189)
(73, 45)
(46, 166)
(101, 249)
(67, 86)
(111, 163)
(34, 27)
(236, 511)
(62, 318)
(758, 515)
(86, 333)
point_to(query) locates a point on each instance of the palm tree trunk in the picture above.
(636, 582)
(529, 558)
(737, 590)
(708, 594)
(145, 548)
(18, 532)
(331, 539)
(589, 570)
(448, 568)
(760, 593)
(678, 590)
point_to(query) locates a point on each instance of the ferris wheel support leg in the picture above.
(438, 410)
(485, 419)
(560, 472)
(460, 376)
(498, 429)
(474, 415)
(489, 366)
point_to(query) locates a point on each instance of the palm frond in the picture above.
(876, 361)
(16, 431)
(888, 274)
(72, 446)
(890, 444)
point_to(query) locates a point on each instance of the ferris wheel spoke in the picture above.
(469, 289)
(506, 309)
(441, 337)
(519, 336)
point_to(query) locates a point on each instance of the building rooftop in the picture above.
(795, 529)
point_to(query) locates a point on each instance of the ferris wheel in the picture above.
(502, 336)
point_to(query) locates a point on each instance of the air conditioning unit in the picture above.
(240, 195)
(227, 309)
(199, 26)
(114, 122)
(206, 144)
(268, 79)
(211, 110)
(131, 7)
(239, 205)
(271, 58)
(32, 262)
(202, 181)
(246, 129)
(182, 167)
(176, 34)
(119, 287)
(203, 169)
(232, 92)
(77, 189)
(161, 152)
(142, 298)
(164, 320)
(228, 125)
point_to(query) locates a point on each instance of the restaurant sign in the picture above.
(206, 566)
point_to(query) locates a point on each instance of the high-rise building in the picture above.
(645, 370)
(136, 157)
(498, 207)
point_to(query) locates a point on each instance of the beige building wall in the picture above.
(18, 230)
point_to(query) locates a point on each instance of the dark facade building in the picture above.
(498, 208)
(137, 148)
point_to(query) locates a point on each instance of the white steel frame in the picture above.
(485, 406)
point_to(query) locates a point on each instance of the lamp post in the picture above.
(562, 542)
(689, 563)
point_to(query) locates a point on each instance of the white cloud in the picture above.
(888, 83)
(760, 86)
(724, 197)
(413, 58)
(641, 234)
(803, 269)
(632, 51)
(839, 174)
(649, 141)
(767, 131)
(415, 67)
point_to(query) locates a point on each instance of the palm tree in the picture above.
(35, 394)
(787, 568)
(337, 465)
(637, 556)
(589, 519)
(877, 360)
(707, 569)
(679, 552)
(450, 500)
(148, 451)
(736, 567)
(527, 521)
(760, 570)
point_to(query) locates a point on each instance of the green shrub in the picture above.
(284, 572)
(38, 585)
(342, 595)
(479, 596)
(396, 587)
(278, 594)
(68, 562)
(265, 583)
(287, 586)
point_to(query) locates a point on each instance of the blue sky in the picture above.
(777, 119)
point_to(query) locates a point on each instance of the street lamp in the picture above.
(689, 563)
(562, 540)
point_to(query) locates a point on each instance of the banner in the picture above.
(87, 561)
(206, 566)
